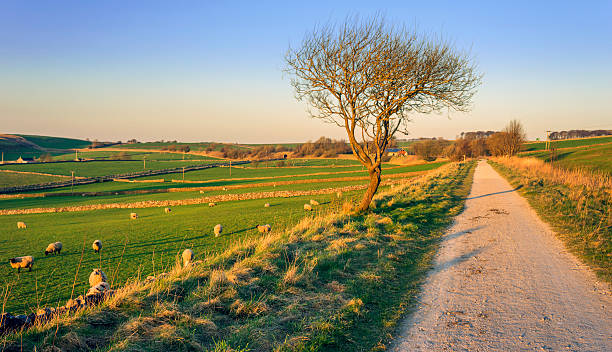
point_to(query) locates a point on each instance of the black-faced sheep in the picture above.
(307, 207)
(187, 257)
(211, 204)
(167, 210)
(264, 228)
(22, 262)
(97, 246)
(133, 216)
(218, 229)
(54, 248)
(101, 287)
(96, 277)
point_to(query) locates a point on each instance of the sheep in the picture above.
(97, 246)
(211, 204)
(218, 229)
(264, 228)
(96, 277)
(307, 207)
(314, 202)
(54, 248)
(167, 210)
(101, 287)
(22, 262)
(21, 225)
(267, 205)
(133, 216)
(339, 194)
(187, 257)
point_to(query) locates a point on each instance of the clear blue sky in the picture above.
(201, 71)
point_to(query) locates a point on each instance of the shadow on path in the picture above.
(492, 194)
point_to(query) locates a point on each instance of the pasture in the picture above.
(597, 157)
(569, 143)
(149, 244)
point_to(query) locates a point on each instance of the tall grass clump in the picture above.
(577, 203)
(338, 281)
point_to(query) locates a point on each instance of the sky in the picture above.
(213, 70)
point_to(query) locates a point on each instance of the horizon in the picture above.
(158, 71)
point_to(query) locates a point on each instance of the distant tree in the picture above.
(428, 150)
(367, 77)
(46, 157)
(515, 137)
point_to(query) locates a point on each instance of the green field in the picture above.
(596, 158)
(102, 168)
(9, 179)
(154, 239)
(570, 143)
(109, 154)
(56, 142)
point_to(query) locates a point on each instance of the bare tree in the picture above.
(515, 137)
(367, 77)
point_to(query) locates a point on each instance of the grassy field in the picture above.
(102, 168)
(56, 142)
(570, 143)
(110, 154)
(334, 283)
(577, 204)
(596, 158)
(8, 179)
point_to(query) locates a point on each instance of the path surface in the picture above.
(503, 282)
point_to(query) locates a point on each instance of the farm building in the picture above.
(396, 152)
(23, 160)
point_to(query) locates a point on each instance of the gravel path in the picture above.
(503, 282)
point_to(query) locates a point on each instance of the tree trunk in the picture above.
(372, 188)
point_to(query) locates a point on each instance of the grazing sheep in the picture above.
(264, 228)
(339, 194)
(211, 204)
(201, 192)
(96, 277)
(133, 216)
(54, 248)
(314, 202)
(187, 257)
(218, 229)
(99, 288)
(307, 207)
(22, 262)
(21, 225)
(225, 189)
(97, 245)
(267, 205)
(167, 210)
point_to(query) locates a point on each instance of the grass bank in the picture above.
(336, 282)
(578, 205)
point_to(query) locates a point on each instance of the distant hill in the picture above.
(13, 146)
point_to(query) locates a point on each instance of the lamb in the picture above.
(264, 228)
(187, 257)
(99, 288)
(96, 277)
(218, 229)
(133, 216)
(22, 262)
(267, 205)
(167, 210)
(307, 207)
(21, 225)
(97, 246)
(211, 204)
(314, 202)
(54, 248)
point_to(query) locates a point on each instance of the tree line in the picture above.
(578, 134)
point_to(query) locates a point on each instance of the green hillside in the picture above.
(48, 142)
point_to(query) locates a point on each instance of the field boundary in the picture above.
(528, 152)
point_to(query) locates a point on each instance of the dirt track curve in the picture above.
(502, 282)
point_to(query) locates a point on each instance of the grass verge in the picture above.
(578, 205)
(333, 282)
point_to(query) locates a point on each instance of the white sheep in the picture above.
(133, 216)
(21, 225)
(96, 245)
(307, 207)
(101, 287)
(218, 229)
(339, 194)
(211, 204)
(22, 262)
(314, 202)
(267, 205)
(54, 248)
(167, 210)
(264, 228)
(187, 257)
(96, 277)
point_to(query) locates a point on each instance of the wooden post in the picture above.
(144, 162)
(183, 174)
(230, 168)
(2, 157)
(72, 185)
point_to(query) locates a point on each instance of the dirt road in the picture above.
(503, 282)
